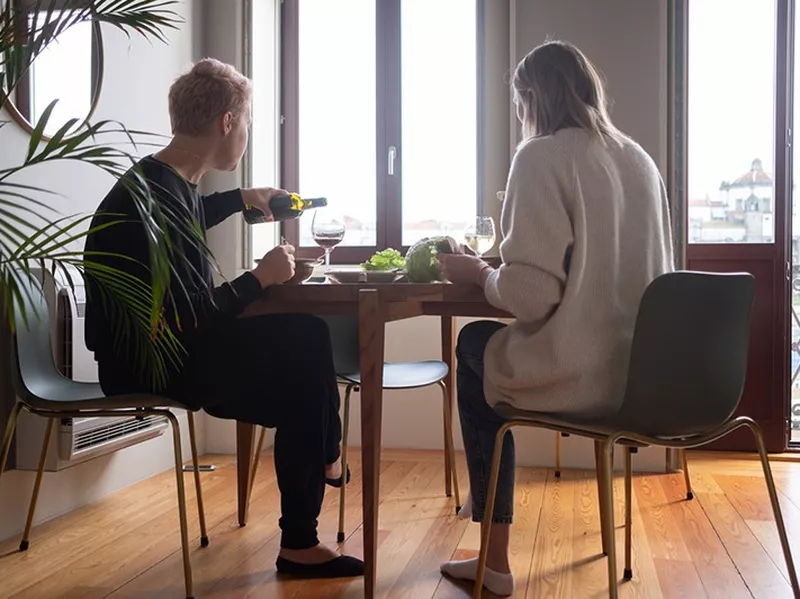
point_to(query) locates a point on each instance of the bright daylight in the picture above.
(399, 299)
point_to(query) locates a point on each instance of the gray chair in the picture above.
(396, 376)
(685, 381)
(42, 390)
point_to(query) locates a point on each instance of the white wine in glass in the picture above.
(480, 236)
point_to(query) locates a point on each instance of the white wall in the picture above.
(136, 79)
(633, 57)
(627, 41)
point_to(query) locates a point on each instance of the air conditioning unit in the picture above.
(76, 440)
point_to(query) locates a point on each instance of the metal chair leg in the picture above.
(776, 506)
(37, 484)
(176, 442)
(343, 488)
(601, 478)
(486, 525)
(689, 493)
(628, 573)
(8, 436)
(450, 448)
(197, 486)
(607, 459)
(558, 455)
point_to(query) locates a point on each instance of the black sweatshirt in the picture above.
(193, 304)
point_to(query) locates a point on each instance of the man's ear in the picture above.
(227, 123)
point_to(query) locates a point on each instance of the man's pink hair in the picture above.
(211, 88)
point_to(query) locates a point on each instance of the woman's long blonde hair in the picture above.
(558, 88)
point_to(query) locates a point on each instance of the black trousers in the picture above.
(275, 371)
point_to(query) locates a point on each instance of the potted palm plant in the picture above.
(34, 235)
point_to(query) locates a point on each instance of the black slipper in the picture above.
(344, 566)
(337, 482)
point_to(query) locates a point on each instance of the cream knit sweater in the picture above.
(586, 228)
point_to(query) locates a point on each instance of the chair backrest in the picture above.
(34, 367)
(689, 353)
(344, 342)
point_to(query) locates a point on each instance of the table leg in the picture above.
(449, 358)
(371, 341)
(245, 434)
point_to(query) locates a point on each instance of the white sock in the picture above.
(497, 583)
(465, 513)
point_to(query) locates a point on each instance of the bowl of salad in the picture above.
(384, 266)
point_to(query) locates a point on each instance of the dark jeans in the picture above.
(479, 426)
(275, 371)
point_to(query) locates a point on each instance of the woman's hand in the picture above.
(463, 268)
(259, 197)
(276, 267)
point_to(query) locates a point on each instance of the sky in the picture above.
(338, 107)
(731, 82)
(63, 71)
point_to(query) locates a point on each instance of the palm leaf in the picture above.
(104, 145)
(27, 28)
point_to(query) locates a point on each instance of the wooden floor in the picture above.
(722, 544)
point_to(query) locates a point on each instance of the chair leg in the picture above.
(8, 437)
(197, 486)
(628, 574)
(607, 462)
(450, 448)
(37, 485)
(598, 450)
(343, 488)
(254, 466)
(776, 506)
(176, 442)
(689, 493)
(486, 525)
(558, 455)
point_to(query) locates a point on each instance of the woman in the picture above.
(275, 371)
(586, 228)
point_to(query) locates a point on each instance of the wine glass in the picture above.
(327, 229)
(480, 234)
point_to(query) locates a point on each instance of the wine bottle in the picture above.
(283, 207)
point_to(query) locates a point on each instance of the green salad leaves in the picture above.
(388, 259)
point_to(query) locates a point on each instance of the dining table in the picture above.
(375, 304)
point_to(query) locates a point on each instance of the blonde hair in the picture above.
(211, 88)
(560, 88)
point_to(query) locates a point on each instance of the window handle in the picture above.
(392, 156)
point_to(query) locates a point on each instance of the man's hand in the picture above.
(259, 197)
(276, 267)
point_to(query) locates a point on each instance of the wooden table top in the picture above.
(433, 298)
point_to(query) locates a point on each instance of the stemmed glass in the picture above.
(328, 230)
(480, 234)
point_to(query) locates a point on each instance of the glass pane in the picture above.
(264, 132)
(794, 372)
(439, 104)
(337, 113)
(63, 72)
(731, 121)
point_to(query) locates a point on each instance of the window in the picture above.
(66, 69)
(379, 115)
(731, 116)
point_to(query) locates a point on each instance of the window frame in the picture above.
(389, 208)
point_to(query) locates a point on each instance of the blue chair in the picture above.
(396, 376)
(42, 390)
